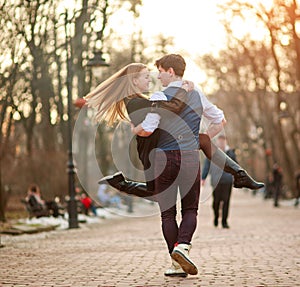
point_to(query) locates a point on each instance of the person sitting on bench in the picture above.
(38, 205)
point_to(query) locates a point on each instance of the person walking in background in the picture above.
(277, 183)
(297, 177)
(221, 182)
(106, 198)
(269, 186)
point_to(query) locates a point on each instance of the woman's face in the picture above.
(142, 81)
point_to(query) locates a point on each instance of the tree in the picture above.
(262, 77)
(34, 74)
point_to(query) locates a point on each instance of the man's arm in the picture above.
(178, 102)
(176, 105)
(213, 114)
(214, 129)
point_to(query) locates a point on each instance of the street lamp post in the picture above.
(95, 63)
(72, 203)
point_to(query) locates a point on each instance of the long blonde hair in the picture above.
(108, 98)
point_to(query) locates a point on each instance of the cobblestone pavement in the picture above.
(261, 248)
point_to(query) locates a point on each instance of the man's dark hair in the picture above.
(174, 61)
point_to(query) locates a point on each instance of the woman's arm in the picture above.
(178, 102)
(176, 105)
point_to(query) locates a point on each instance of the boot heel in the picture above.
(117, 177)
(243, 179)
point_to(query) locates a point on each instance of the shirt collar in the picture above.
(176, 84)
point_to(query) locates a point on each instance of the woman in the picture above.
(122, 95)
(38, 205)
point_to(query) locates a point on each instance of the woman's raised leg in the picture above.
(222, 160)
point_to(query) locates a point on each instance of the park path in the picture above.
(261, 248)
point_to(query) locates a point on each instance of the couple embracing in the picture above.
(168, 141)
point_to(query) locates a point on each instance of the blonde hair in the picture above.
(108, 98)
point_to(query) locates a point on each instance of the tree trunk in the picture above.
(2, 199)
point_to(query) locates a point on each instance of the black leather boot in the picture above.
(119, 182)
(241, 177)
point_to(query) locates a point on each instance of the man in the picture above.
(177, 164)
(221, 182)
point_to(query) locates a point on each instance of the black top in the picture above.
(137, 109)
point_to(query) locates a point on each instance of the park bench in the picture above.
(34, 213)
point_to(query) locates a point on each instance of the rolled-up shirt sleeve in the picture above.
(151, 122)
(158, 96)
(210, 111)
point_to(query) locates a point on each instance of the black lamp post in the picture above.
(96, 62)
(96, 65)
(72, 203)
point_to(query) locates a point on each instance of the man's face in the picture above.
(164, 76)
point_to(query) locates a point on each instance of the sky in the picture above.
(194, 24)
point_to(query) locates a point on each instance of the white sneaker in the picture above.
(175, 270)
(181, 255)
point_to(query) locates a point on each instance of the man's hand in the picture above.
(132, 126)
(188, 85)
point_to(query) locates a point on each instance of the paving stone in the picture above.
(261, 249)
